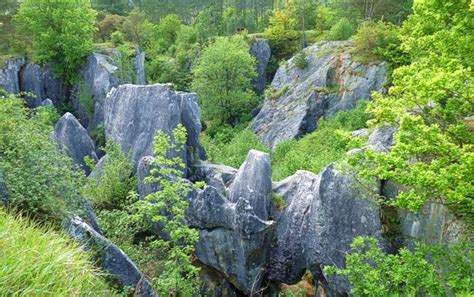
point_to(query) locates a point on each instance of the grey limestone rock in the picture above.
(260, 49)
(74, 140)
(9, 75)
(331, 82)
(112, 258)
(134, 114)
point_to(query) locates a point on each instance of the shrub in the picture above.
(38, 176)
(375, 41)
(117, 38)
(37, 261)
(300, 60)
(111, 189)
(342, 30)
(316, 150)
(427, 270)
(284, 41)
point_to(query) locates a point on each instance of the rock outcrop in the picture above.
(234, 233)
(97, 78)
(133, 115)
(74, 140)
(139, 67)
(42, 84)
(113, 259)
(331, 82)
(9, 75)
(260, 49)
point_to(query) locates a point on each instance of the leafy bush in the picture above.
(230, 147)
(61, 33)
(112, 188)
(300, 60)
(327, 144)
(117, 38)
(37, 261)
(375, 41)
(38, 177)
(342, 30)
(283, 39)
(427, 270)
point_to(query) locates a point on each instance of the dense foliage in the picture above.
(433, 158)
(61, 32)
(37, 261)
(424, 271)
(222, 80)
(38, 177)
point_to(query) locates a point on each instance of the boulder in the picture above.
(74, 140)
(112, 258)
(382, 139)
(47, 102)
(9, 75)
(139, 67)
(331, 82)
(253, 182)
(133, 115)
(260, 49)
(97, 78)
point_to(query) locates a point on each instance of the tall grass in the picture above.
(36, 261)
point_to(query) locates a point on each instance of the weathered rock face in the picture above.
(260, 49)
(234, 233)
(216, 176)
(143, 171)
(133, 115)
(139, 66)
(9, 75)
(74, 140)
(331, 82)
(113, 259)
(253, 183)
(98, 77)
(338, 213)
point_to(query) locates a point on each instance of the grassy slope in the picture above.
(36, 261)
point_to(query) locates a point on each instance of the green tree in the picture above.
(61, 32)
(222, 79)
(167, 207)
(429, 103)
(281, 35)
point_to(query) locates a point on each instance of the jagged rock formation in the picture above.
(139, 67)
(112, 258)
(97, 78)
(9, 75)
(74, 140)
(331, 82)
(133, 115)
(234, 231)
(260, 49)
